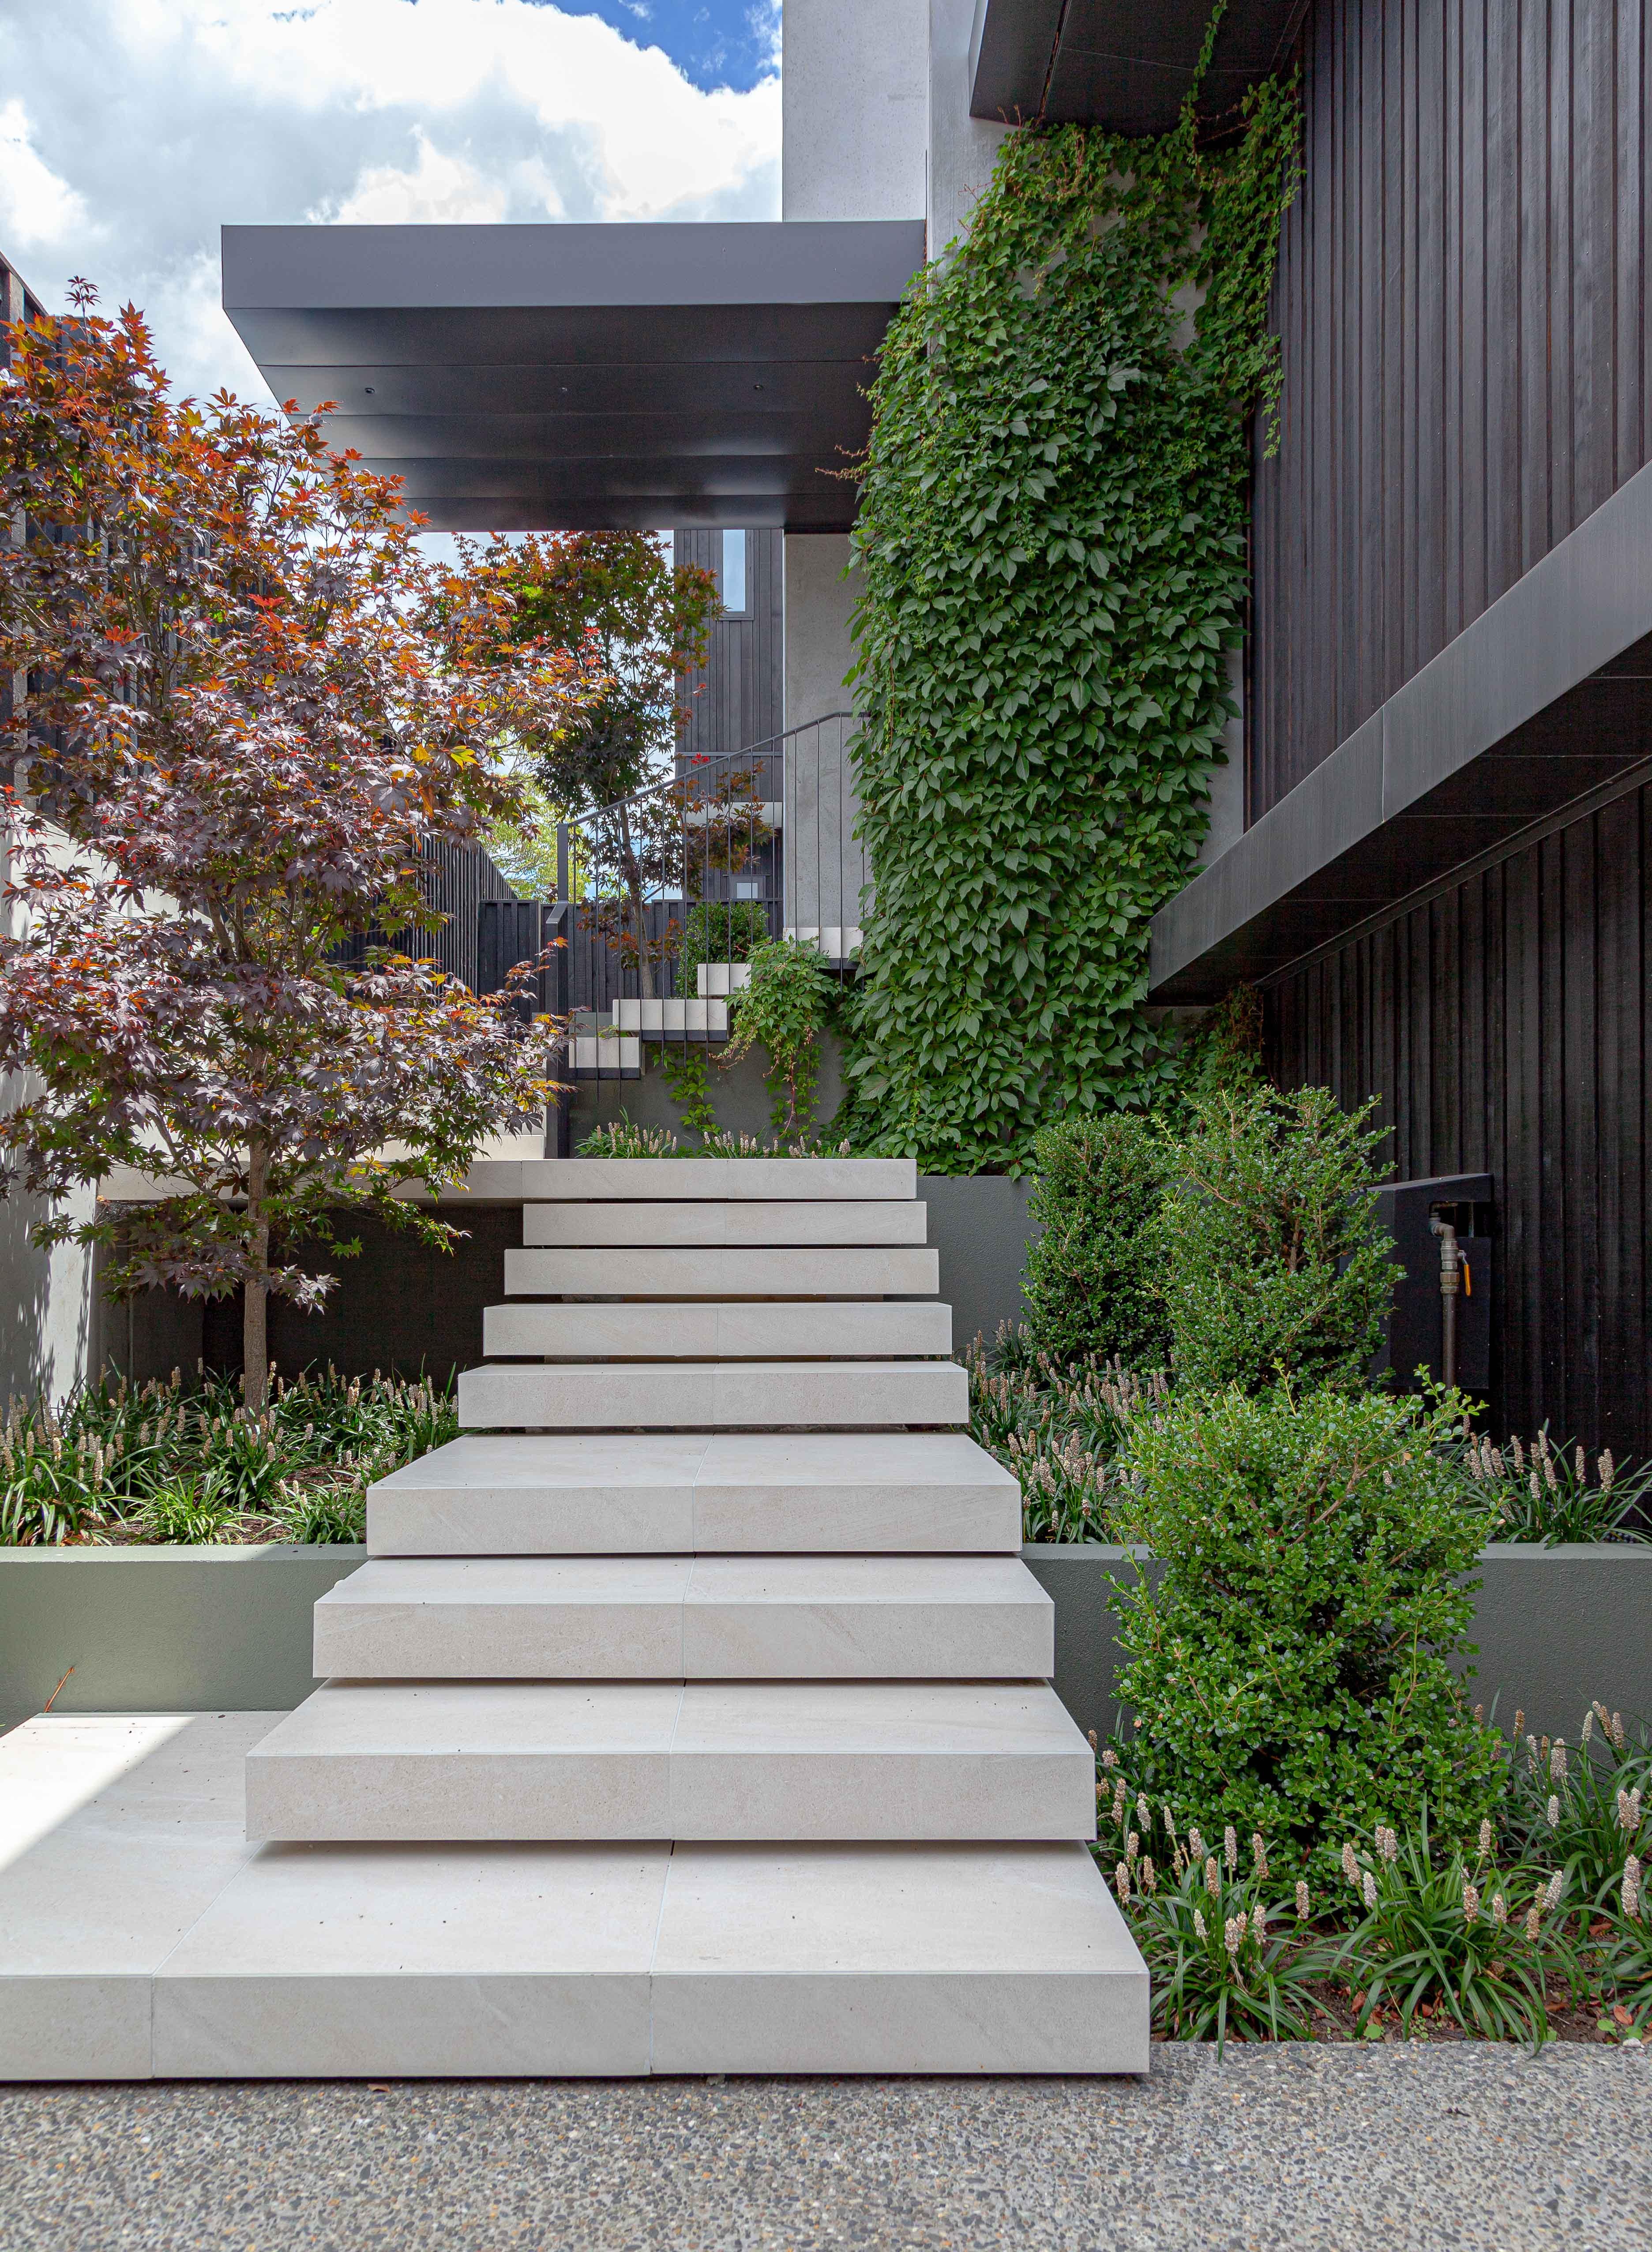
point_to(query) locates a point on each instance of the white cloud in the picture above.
(144, 125)
(37, 210)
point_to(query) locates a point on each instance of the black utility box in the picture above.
(1415, 1328)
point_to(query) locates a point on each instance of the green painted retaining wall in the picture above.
(194, 1630)
(161, 1629)
(1554, 1627)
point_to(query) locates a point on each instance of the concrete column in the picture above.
(855, 119)
(962, 148)
(1227, 783)
(853, 109)
(825, 867)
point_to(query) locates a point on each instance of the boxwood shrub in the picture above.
(1290, 1672)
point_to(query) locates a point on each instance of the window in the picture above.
(734, 570)
(747, 889)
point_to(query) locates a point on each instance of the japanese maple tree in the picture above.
(254, 708)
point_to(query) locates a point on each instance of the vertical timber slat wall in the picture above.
(1505, 1026)
(1462, 307)
(736, 698)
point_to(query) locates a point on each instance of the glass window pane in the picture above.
(733, 570)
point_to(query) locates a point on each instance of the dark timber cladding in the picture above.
(1462, 303)
(737, 697)
(595, 377)
(1505, 1023)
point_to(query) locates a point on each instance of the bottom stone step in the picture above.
(386, 1762)
(145, 1939)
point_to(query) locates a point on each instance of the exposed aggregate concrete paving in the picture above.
(1382, 2149)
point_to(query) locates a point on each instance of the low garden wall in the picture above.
(161, 1629)
(1555, 1628)
(228, 1629)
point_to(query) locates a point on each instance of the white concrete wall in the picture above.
(819, 602)
(1227, 783)
(50, 1326)
(962, 148)
(50, 1330)
(824, 866)
(854, 108)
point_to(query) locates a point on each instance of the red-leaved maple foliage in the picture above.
(252, 707)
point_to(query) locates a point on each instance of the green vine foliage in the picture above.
(684, 1068)
(1052, 540)
(787, 1005)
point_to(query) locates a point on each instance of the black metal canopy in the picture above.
(613, 378)
(1125, 65)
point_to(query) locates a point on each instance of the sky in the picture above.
(130, 130)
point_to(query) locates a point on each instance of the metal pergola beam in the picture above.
(549, 377)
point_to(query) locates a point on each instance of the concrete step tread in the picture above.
(723, 1222)
(717, 1271)
(687, 1617)
(668, 1493)
(757, 1180)
(715, 1329)
(145, 1938)
(724, 1760)
(697, 1395)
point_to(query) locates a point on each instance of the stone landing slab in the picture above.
(145, 1938)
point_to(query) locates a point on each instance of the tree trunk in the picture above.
(644, 961)
(632, 865)
(255, 1297)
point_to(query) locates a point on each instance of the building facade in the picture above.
(1430, 847)
(1442, 883)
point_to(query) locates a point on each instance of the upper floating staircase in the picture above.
(692, 1713)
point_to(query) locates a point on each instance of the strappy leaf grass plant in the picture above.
(1587, 1809)
(1229, 1956)
(1459, 1933)
(1545, 1493)
(176, 1463)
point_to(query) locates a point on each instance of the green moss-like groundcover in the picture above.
(1051, 542)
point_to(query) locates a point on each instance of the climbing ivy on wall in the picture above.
(1052, 541)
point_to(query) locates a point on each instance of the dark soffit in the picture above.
(1120, 64)
(584, 378)
(1545, 698)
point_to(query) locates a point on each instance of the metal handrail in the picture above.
(785, 857)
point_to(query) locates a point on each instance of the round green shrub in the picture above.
(1275, 1260)
(1092, 1282)
(1289, 1671)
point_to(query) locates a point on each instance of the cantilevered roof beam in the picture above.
(1125, 64)
(585, 377)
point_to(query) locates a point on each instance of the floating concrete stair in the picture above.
(554, 1226)
(691, 1715)
(687, 1618)
(145, 1937)
(717, 1271)
(771, 1760)
(713, 1396)
(718, 1180)
(711, 1330)
(703, 1020)
(666, 1493)
(713, 978)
